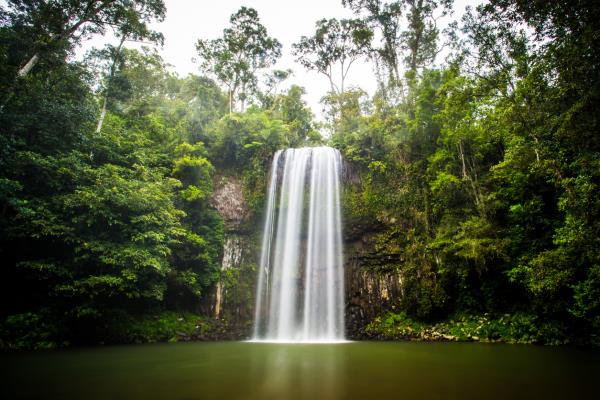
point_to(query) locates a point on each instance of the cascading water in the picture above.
(300, 289)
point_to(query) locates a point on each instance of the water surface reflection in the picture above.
(267, 371)
(298, 371)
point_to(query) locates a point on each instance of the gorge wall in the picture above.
(367, 293)
(232, 298)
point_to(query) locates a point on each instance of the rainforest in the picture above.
(133, 199)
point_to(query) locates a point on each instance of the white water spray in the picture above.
(299, 297)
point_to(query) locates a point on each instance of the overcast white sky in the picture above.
(286, 20)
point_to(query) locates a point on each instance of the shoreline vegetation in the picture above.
(513, 329)
(27, 332)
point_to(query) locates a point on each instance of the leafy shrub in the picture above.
(28, 331)
(509, 328)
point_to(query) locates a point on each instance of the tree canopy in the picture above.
(235, 58)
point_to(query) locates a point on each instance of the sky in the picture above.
(189, 20)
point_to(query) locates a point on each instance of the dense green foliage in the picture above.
(103, 225)
(483, 182)
(508, 328)
(476, 182)
(235, 58)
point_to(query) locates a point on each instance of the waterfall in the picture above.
(299, 296)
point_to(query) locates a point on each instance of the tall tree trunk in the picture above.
(418, 25)
(469, 172)
(342, 81)
(335, 92)
(102, 115)
(29, 65)
(243, 98)
(89, 13)
(67, 33)
(113, 70)
(461, 153)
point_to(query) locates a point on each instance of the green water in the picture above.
(359, 370)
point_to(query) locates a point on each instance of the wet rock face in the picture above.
(368, 293)
(228, 199)
(232, 301)
(233, 249)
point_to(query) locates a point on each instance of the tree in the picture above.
(552, 97)
(112, 55)
(291, 108)
(65, 22)
(387, 17)
(196, 259)
(273, 81)
(130, 29)
(335, 44)
(141, 83)
(235, 58)
(420, 39)
(416, 44)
